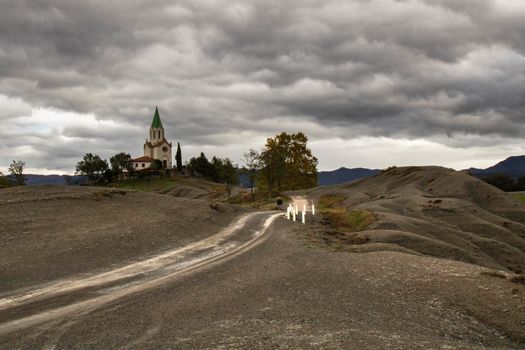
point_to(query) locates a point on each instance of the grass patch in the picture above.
(349, 221)
(331, 200)
(521, 198)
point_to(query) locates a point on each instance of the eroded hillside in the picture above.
(425, 210)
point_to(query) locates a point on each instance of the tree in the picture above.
(251, 165)
(201, 166)
(17, 170)
(120, 162)
(92, 166)
(287, 163)
(225, 173)
(178, 158)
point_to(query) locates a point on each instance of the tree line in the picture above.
(505, 182)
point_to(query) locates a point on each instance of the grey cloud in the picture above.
(431, 68)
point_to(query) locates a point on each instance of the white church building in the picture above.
(155, 148)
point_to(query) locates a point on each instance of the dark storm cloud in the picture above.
(427, 68)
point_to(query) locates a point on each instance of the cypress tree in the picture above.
(178, 158)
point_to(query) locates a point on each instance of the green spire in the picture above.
(156, 123)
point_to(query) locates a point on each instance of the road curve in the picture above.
(71, 298)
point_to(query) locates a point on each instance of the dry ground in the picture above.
(50, 232)
(286, 292)
(425, 210)
(283, 294)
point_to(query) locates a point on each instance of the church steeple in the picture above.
(156, 132)
(156, 123)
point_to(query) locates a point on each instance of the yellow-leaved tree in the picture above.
(286, 163)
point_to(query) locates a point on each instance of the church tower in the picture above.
(156, 132)
(157, 147)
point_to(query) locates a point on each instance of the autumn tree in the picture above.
(251, 165)
(92, 166)
(16, 169)
(178, 158)
(286, 163)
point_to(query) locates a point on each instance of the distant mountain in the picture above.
(512, 166)
(342, 175)
(55, 180)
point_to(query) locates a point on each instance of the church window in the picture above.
(164, 149)
(143, 165)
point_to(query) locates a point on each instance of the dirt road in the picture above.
(280, 293)
(70, 298)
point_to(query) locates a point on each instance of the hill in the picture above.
(425, 210)
(512, 166)
(343, 175)
(77, 229)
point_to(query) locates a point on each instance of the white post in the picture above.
(288, 213)
(313, 209)
(293, 214)
(296, 210)
(304, 207)
(304, 217)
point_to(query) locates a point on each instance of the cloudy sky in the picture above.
(372, 83)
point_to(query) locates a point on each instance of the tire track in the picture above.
(149, 273)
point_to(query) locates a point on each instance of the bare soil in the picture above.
(286, 292)
(50, 232)
(283, 295)
(431, 211)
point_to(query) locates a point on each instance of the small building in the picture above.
(141, 163)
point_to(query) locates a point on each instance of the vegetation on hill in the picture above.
(95, 168)
(218, 170)
(505, 182)
(521, 197)
(6, 181)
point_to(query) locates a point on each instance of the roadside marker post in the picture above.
(288, 213)
(293, 212)
(304, 217)
(313, 209)
(296, 210)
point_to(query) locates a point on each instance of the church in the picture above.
(156, 147)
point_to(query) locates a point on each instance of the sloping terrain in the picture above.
(180, 186)
(50, 232)
(425, 210)
(512, 166)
